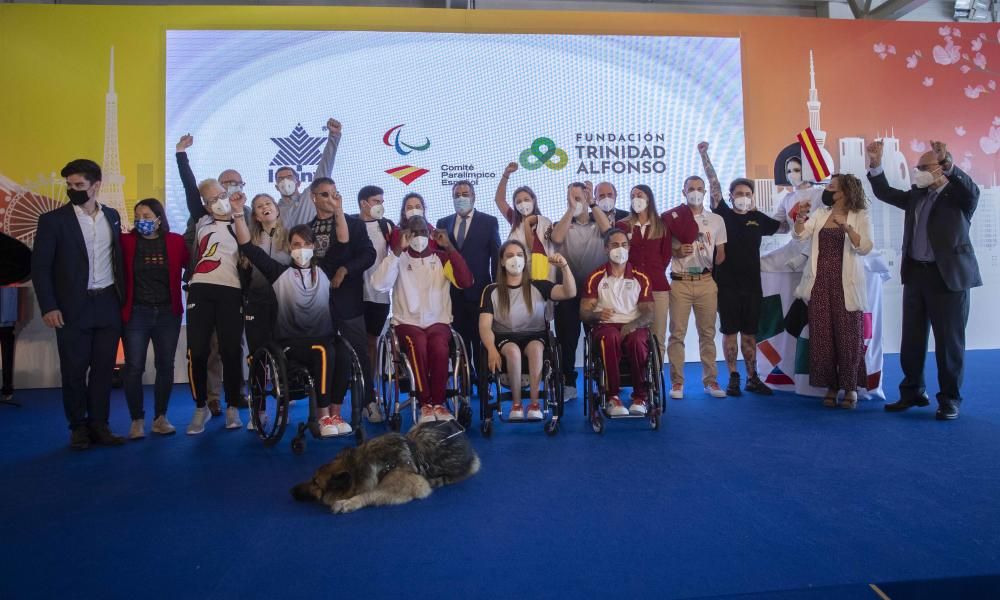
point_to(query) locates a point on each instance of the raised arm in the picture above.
(566, 289)
(191, 194)
(880, 185)
(562, 227)
(456, 270)
(500, 198)
(967, 192)
(270, 268)
(325, 166)
(713, 180)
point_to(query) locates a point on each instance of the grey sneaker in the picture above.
(373, 412)
(137, 431)
(233, 420)
(197, 425)
(162, 426)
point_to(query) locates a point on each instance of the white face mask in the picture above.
(794, 178)
(741, 204)
(419, 244)
(578, 209)
(619, 256)
(922, 179)
(221, 208)
(695, 198)
(514, 265)
(525, 208)
(414, 212)
(463, 205)
(302, 256)
(606, 204)
(232, 189)
(377, 211)
(639, 204)
(286, 187)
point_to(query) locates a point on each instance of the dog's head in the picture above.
(332, 481)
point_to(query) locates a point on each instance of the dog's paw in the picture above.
(346, 506)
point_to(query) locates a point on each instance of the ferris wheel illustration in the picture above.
(26, 203)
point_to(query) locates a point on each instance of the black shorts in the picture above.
(738, 311)
(521, 339)
(376, 314)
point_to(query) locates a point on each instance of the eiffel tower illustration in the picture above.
(112, 194)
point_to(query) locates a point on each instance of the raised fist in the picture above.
(185, 142)
(333, 126)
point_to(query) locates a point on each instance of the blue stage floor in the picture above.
(764, 497)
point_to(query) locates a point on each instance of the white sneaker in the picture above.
(197, 424)
(535, 412)
(616, 408)
(637, 408)
(677, 391)
(373, 412)
(327, 428)
(137, 430)
(233, 420)
(263, 422)
(714, 390)
(516, 413)
(441, 413)
(426, 414)
(569, 393)
(343, 427)
(162, 426)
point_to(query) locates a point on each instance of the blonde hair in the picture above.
(279, 236)
(205, 184)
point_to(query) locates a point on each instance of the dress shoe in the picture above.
(905, 403)
(947, 409)
(100, 434)
(79, 439)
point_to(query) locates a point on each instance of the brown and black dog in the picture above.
(392, 469)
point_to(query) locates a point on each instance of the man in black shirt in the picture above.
(738, 279)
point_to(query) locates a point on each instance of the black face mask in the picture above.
(827, 198)
(78, 197)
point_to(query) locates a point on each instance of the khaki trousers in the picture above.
(661, 307)
(703, 297)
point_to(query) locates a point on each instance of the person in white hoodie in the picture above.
(420, 273)
(833, 284)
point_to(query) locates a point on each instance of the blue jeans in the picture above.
(161, 326)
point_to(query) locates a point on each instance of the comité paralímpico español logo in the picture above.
(405, 173)
(297, 151)
(543, 151)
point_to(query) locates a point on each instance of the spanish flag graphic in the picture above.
(810, 150)
(407, 173)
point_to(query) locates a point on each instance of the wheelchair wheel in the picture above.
(269, 394)
(356, 388)
(654, 422)
(486, 428)
(299, 441)
(465, 415)
(597, 421)
(383, 375)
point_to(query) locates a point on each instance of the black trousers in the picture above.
(259, 321)
(465, 320)
(321, 357)
(217, 308)
(929, 304)
(87, 350)
(354, 332)
(567, 318)
(7, 350)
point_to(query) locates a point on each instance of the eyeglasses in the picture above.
(229, 183)
(927, 167)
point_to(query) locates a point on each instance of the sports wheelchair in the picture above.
(595, 384)
(273, 375)
(550, 393)
(394, 377)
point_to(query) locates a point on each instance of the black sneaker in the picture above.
(79, 439)
(734, 385)
(756, 386)
(101, 435)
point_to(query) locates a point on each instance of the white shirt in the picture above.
(217, 253)
(621, 294)
(458, 223)
(381, 248)
(97, 236)
(420, 288)
(711, 233)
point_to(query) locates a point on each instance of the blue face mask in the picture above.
(145, 226)
(463, 205)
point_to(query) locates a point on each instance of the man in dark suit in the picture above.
(477, 237)
(77, 273)
(938, 269)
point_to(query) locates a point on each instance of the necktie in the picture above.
(461, 232)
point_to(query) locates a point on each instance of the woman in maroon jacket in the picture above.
(651, 238)
(152, 310)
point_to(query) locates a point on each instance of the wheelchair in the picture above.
(274, 376)
(595, 384)
(550, 393)
(394, 376)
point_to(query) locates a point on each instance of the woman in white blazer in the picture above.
(833, 284)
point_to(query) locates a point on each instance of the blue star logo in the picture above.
(298, 149)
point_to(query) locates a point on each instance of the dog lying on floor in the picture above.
(392, 469)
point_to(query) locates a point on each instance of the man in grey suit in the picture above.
(938, 269)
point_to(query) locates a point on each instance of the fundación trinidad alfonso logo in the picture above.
(405, 173)
(298, 150)
(543, 151)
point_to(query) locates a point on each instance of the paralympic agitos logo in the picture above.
(405, 173)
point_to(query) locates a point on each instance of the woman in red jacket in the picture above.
(152, 310)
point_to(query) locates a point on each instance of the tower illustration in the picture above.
(112, 194)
